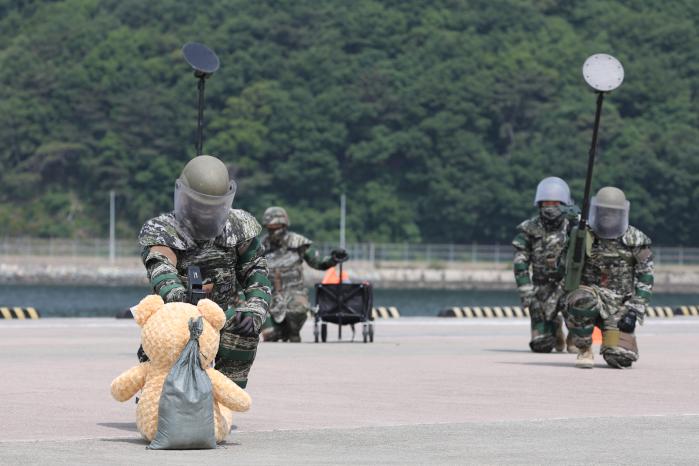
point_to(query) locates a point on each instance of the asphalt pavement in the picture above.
(428, 390)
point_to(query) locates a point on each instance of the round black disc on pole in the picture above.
(201, 58)
(205, 63)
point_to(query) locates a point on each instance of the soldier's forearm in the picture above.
(252, 275)
(316, 261)
(644, 279)
(522, 276)
(163, 276)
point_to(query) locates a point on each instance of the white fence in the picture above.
(369, 252)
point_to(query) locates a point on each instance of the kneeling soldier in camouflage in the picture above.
(538, 245)
(286, 252)
(617, 279)
(204, 231)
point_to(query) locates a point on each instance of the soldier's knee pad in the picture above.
(619, 349)
(543, 344)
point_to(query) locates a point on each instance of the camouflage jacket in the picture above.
(285, 260)
(539, 249)
(232, 262)
(622, 268)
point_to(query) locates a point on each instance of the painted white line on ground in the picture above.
(382, 426)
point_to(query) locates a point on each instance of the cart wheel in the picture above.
(316, 331)
(323, 332)
(365, 332)
(371, 333)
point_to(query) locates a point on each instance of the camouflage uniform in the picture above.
(233, 262)
(539, 247)
(290, 303)
(617, 278)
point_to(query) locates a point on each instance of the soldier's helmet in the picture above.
(609, 213)
(275, 216)
(203, 197)
(552, 189)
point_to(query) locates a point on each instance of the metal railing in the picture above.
(97, 247)
(367, 252)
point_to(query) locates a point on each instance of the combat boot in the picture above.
(571, 348)
(586, 359)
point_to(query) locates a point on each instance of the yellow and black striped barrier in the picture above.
(660, 311)
(383, 312)
(687, 311)
(20, 313)
(487, 312)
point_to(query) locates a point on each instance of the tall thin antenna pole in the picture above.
(112, 215)
(343, 207)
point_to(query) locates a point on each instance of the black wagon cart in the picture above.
(344, 304)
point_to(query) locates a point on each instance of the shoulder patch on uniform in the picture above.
(635, 238)
(295, 241)
(532, 227)
(162, 230)
(241, 227)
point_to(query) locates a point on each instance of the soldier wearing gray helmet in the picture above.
(538, 246)
(286, 252)
(616, 286)
(205, 231)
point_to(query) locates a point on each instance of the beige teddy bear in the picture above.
(165, 332)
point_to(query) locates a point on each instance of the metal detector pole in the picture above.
(603, 73)
(575, 259)
(200, 116)
(591, 162)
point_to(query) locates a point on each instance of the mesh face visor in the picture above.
(203, 216)
(609, 222)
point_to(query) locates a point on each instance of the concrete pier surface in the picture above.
(427, 391)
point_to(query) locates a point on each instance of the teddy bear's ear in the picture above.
(212, 312)
(146, 308)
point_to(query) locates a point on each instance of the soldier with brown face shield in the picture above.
(286, 252)
(538, 246)
(205, 231)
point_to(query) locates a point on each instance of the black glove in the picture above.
(627, 324)
(243, 324)
(339, 255)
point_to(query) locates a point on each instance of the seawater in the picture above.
(106, 301)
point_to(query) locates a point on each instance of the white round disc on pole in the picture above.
(603, 72)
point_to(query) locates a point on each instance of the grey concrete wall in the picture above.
(129, 271)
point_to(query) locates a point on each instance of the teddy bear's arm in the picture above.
(227, 392)
(129, 382)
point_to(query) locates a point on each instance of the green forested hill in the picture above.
(437, 118)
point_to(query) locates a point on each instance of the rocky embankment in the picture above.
(129, 271)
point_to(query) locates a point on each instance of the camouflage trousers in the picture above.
(236, 355)
(293, 307)
(591, 306)
(544, 313)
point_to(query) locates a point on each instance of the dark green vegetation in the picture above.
(437, 118)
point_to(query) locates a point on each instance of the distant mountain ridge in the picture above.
(436, 118)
